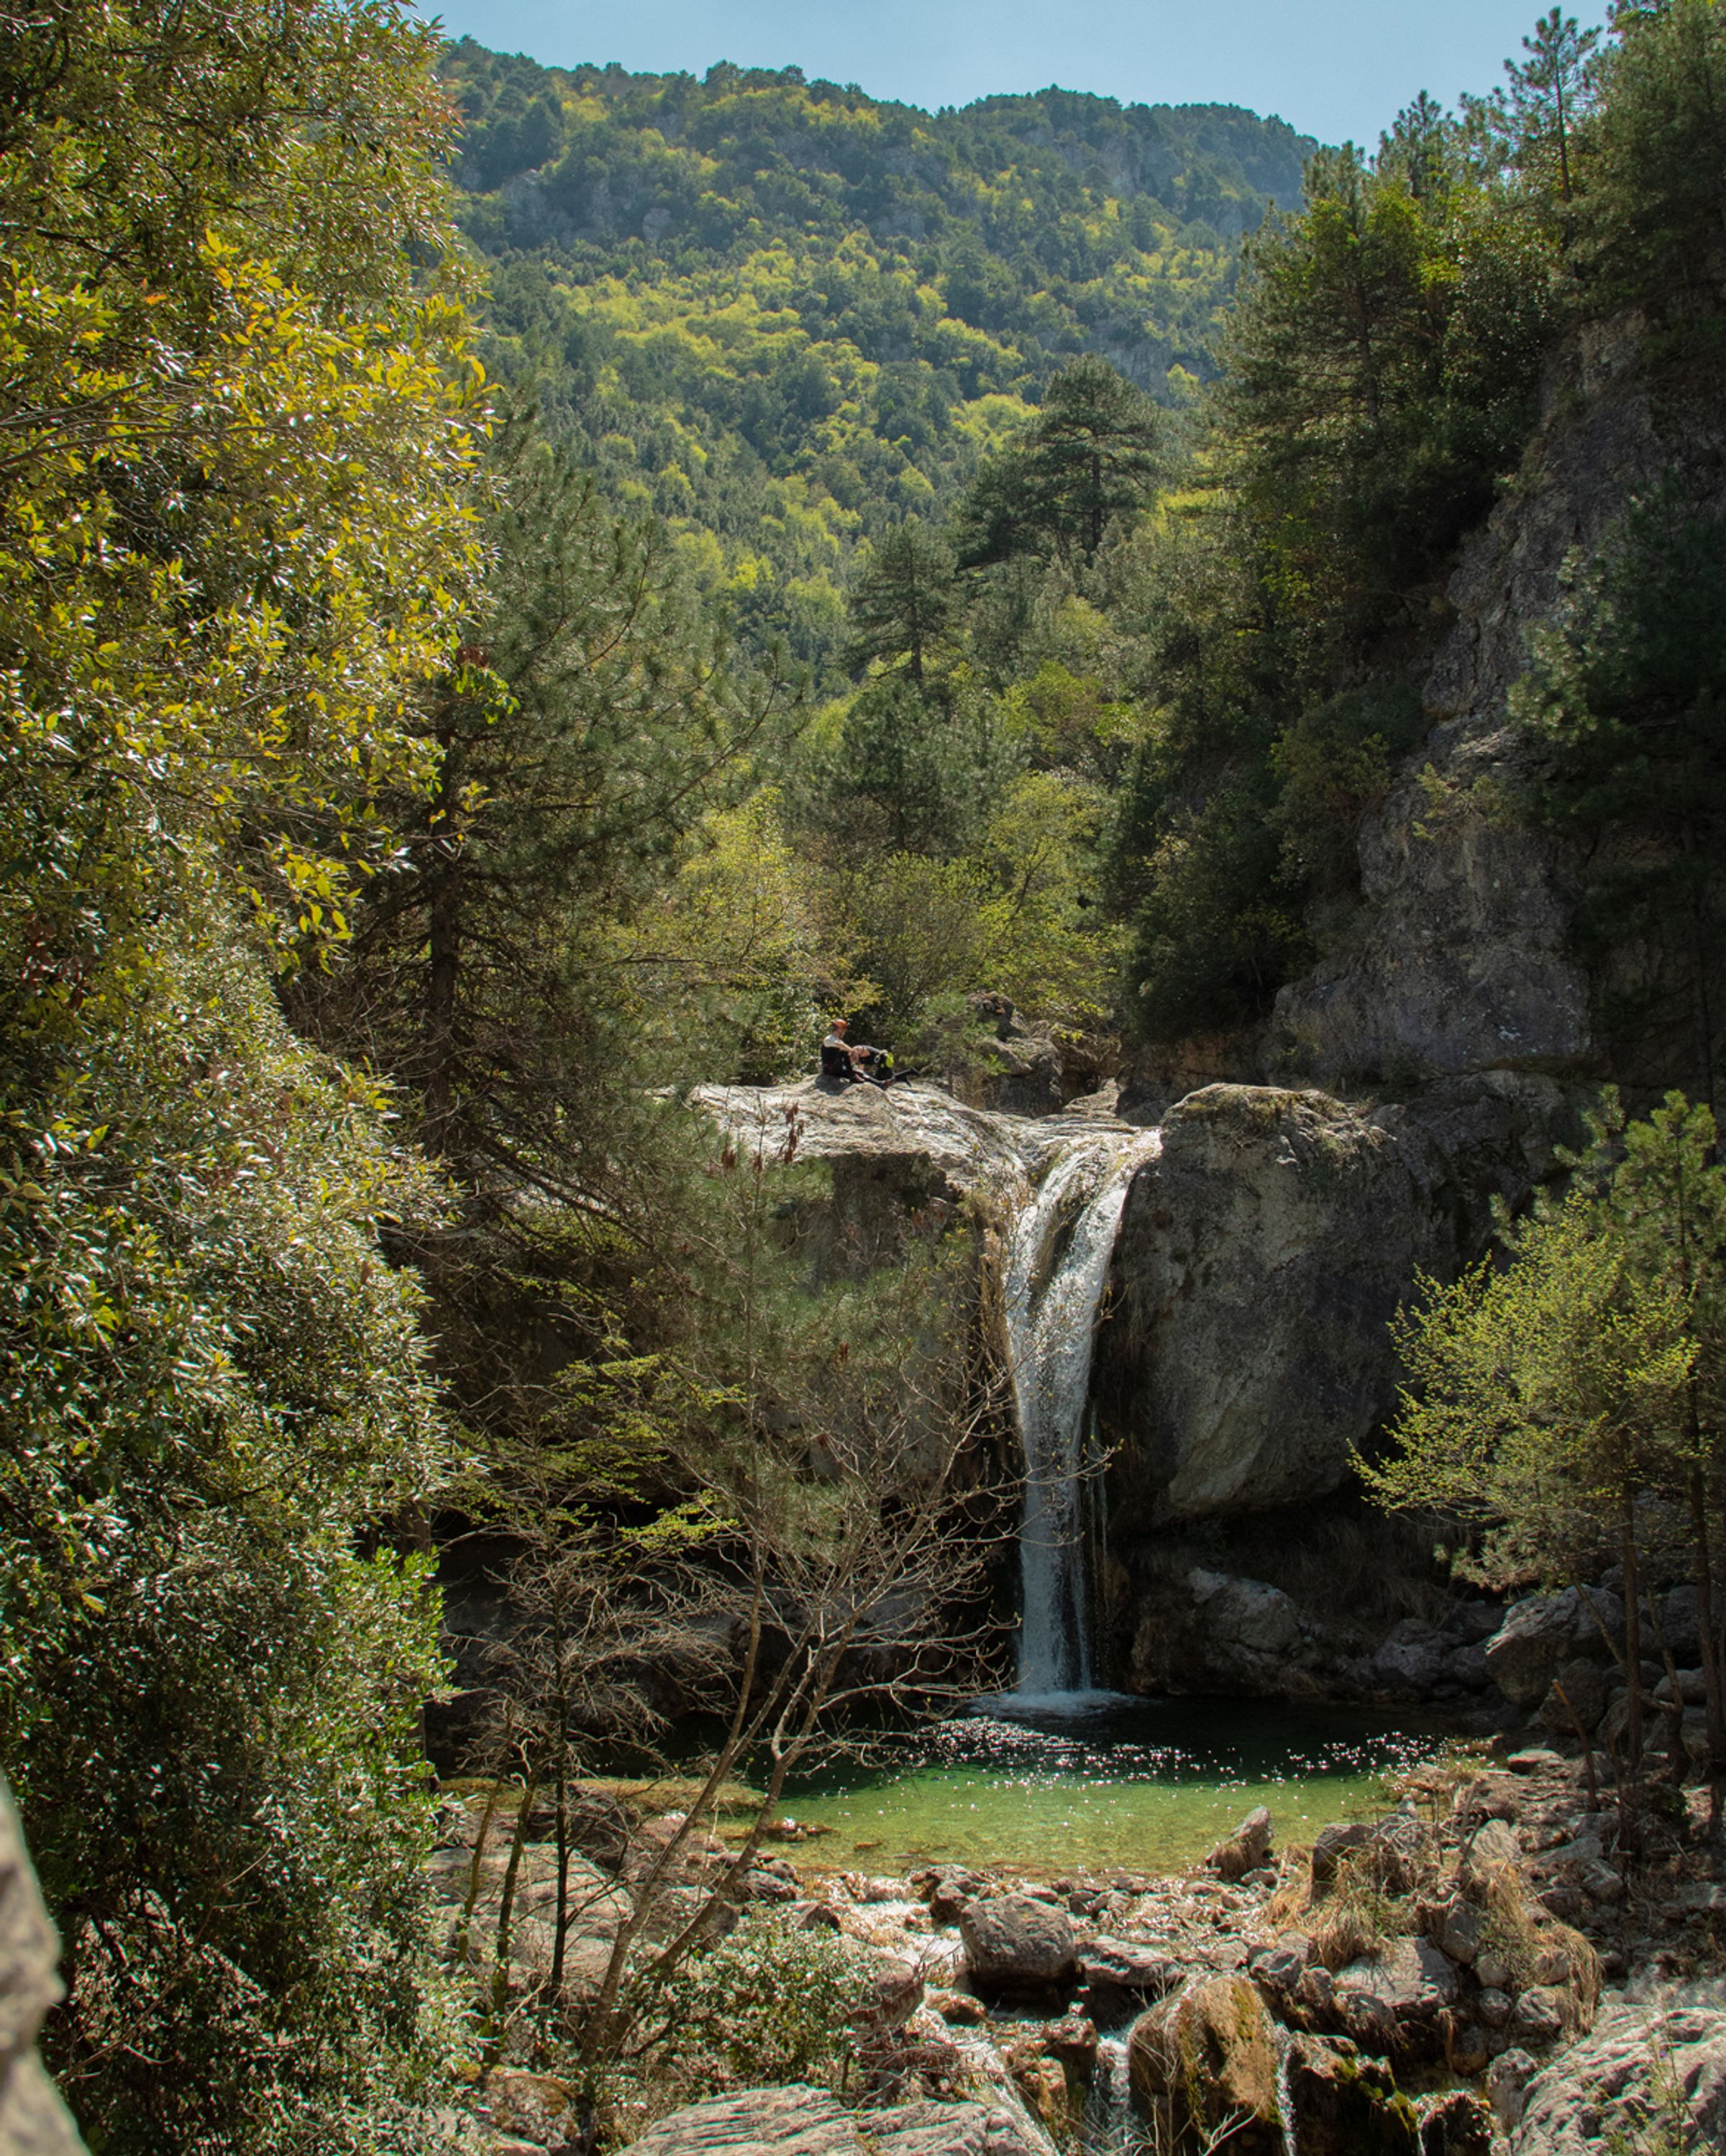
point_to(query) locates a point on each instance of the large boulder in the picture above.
(1260, 1257)
(1643, 2067)
(1016, 1947)
(1542, 1633)
(799, 2121)
(1205, 2059)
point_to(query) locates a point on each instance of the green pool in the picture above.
(1142, 1785)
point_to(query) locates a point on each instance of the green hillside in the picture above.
(782, 314)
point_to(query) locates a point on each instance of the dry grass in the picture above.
(1357, 1920)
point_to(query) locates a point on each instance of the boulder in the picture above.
(1343, 2104)
(1577, 1694)
(1399, 2001)
(1246, 1850)
(1333, 1844)
(1641, 2062)
(1119, 1976)
(1544, 1632)
(1219, 1631)
(34, 2122)
(1457, 2123)
(1208, 2057)
(1261, 1255)
(1015, 1069)
(1019, 1947)
(1494, 1853)
(800, 2121)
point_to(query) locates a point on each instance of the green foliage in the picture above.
(1653, 214)
(903, 602)
(1623, 702)
(1569, 1404)
(785, 316)
(1090, 456)
(235, 538)
(769, 2004)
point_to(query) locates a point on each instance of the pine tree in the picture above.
(902, 607)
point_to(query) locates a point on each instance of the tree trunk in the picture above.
(1702, 1575)
(1632, 1626)
(444, 930)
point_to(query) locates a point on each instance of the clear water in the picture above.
(1102, 1784)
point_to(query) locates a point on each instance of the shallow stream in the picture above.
(1140, 1785)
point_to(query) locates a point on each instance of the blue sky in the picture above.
(1333, 68)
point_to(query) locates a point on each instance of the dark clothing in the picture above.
(836, 1059)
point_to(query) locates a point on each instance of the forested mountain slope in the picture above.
(782, 315)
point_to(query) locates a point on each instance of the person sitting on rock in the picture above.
(847, 1063)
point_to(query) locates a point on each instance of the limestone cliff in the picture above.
(1459, 958)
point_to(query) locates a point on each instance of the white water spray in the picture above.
(1056, 1269)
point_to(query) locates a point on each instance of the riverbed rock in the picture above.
(800, 2121)
(1246, 1850)
(1640, 2059)
(1206, 2056)
(1016, 1947)
(1456, 2123)
(1333, 1844)
(1344, 2103)
(1398, 2001)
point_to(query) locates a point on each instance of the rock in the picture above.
(1612, 2081)
(1538, 2017)
(1678, 1623)
(1261, 1255)
(1457, 2123)
(1457, 1930)
(1493, 2007)
(959, 2009)
(1396, 1853)
(1507, 2080)
(810, 2122)
(1042, 2082)
(1488, 1796)
(34, 2122)
(1492, 1853)
(1072, 2040)
(947, 1889)
(1345, 2105)
(896, 1992)
(1492, 1971)
(1399, 2002)
(1600, 1882)
(1577, 1693)
(1280, 1966)
(1414, 1658)
(1129, 1966)
(1333, 1844)
(1246, 1850)
(1542, 1635)
(1015, 1947)
(1207, 2056)
(537, 2107)
(1249, 1628)
(1016, 1070)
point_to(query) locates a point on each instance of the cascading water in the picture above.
(1056, 1267)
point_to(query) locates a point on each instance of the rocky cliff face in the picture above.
(1260, 1258)
(1458, 959)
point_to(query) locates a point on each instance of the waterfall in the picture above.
(1056, 1267)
